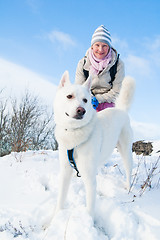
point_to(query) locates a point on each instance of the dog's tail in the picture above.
(125, 97)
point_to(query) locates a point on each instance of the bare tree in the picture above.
(4, 121)
(31, 125)
(27, 126)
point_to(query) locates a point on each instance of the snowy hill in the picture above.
(15, 79)
(29, 187)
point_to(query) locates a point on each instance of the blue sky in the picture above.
(49, 37)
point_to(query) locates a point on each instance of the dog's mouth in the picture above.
(80, 112)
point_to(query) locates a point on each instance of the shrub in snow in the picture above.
(26, 126)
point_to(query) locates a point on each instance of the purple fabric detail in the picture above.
(102, 106)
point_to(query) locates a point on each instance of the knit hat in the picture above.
(101, 34)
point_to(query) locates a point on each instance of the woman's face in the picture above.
(100, 50)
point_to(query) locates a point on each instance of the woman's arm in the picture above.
(80, 77)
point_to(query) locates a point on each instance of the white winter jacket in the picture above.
(100, 87)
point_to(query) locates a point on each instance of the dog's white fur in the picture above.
(93, 136)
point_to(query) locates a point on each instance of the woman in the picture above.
(106, 68)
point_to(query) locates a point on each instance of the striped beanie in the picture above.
(101, 34)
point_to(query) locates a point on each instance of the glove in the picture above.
(94, 102)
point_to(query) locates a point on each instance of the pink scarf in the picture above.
(98, 65)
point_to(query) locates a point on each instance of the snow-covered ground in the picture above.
(29, 184)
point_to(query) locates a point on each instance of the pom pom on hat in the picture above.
(101, 34)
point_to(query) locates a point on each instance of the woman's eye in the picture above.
(69, 96)
(85, 100)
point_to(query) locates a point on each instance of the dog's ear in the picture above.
(87, 83)
(64, 80)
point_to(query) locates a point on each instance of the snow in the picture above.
(29, 188)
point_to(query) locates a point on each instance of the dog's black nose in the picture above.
(80, 113)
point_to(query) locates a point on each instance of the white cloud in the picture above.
(62, 38)
(137, 65)
(140, 58)
(153, 44)
(145, 62)
(120, 44)
(34, 5)
(153, 49)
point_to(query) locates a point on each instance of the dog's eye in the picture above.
(85, 100)
(69, 96)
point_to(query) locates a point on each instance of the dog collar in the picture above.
(72, 161)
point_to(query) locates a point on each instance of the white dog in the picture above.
(92, 135)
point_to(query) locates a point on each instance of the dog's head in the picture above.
(72, 105)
